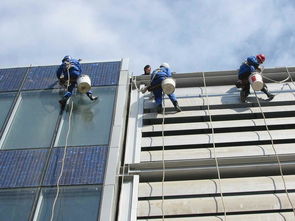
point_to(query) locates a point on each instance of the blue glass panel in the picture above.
(34, 121)
(21, 168)
(16, 204)
(83, 165)
(103, 73)
(41, 78)
(90, 121)
(73, 204)
(5, 103)
(11, 78)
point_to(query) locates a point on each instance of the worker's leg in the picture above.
(245, 90)
(158, 98)
(245, 85)
(172, 97)
(265, 90)
(68, 94)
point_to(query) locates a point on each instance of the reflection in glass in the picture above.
(90, 121)
(5, 103)
(34, 121)
(16, 204)
(73, 204)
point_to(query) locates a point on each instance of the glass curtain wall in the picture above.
(90, 121)
(16, 204)
(73, 204)
(6, 100)
(34, 121)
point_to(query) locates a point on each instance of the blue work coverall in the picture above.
(157, 77)
(75, 72)
(248, 67)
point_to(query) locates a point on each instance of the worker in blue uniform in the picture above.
(246, 69)
(68, 73)
(157, 77)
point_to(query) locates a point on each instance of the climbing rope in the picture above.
(271, 138)
(274, 150)
(274, 81)
(214, 147)
(163, 157)
(64, 155)
(133, 79)
(290, 75)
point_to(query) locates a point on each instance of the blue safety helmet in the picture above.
(66, 58)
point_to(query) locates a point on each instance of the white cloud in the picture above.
(191, 35)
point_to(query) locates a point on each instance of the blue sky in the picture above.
(191, 35)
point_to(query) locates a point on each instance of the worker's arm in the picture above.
(253, 63)
(169, 72)
(59, 71)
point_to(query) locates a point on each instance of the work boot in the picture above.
(176, 106)
(91, 97)
(63, 102)
(268, 94)
(160, 109)
(238, 84)
(244, 94)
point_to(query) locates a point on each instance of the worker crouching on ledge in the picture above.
(71, 68)
(157, 77)
(248, 67)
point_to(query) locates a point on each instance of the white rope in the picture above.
(62, 164)
(214, 148)
(163, 158)
(274, 81)
(278, 82)
(290, 75)
(275, 152)
(64, 155)
(133, 79)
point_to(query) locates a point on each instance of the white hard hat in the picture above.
(165, 65)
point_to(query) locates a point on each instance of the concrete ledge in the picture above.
(245, 203)
(202, 187)
(221, 152)
(279, 216)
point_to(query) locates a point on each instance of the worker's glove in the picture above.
(260, 68)
(143, 90)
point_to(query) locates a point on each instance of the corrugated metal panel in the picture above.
(103, 73)
(41, 78)
(21, 168)
(11, 78)
(83, 165)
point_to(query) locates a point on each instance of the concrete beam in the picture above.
(207, 205)
(221, 152)
(221, 100)
(217, 138)
(279, 216)
(229, 185)
(219, 124)
(219, 77)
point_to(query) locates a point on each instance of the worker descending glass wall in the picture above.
(33, 138)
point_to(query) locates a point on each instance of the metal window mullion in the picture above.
(10, 120)
(12, 107)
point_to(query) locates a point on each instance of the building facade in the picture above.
(37, 140)
(218, 159)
